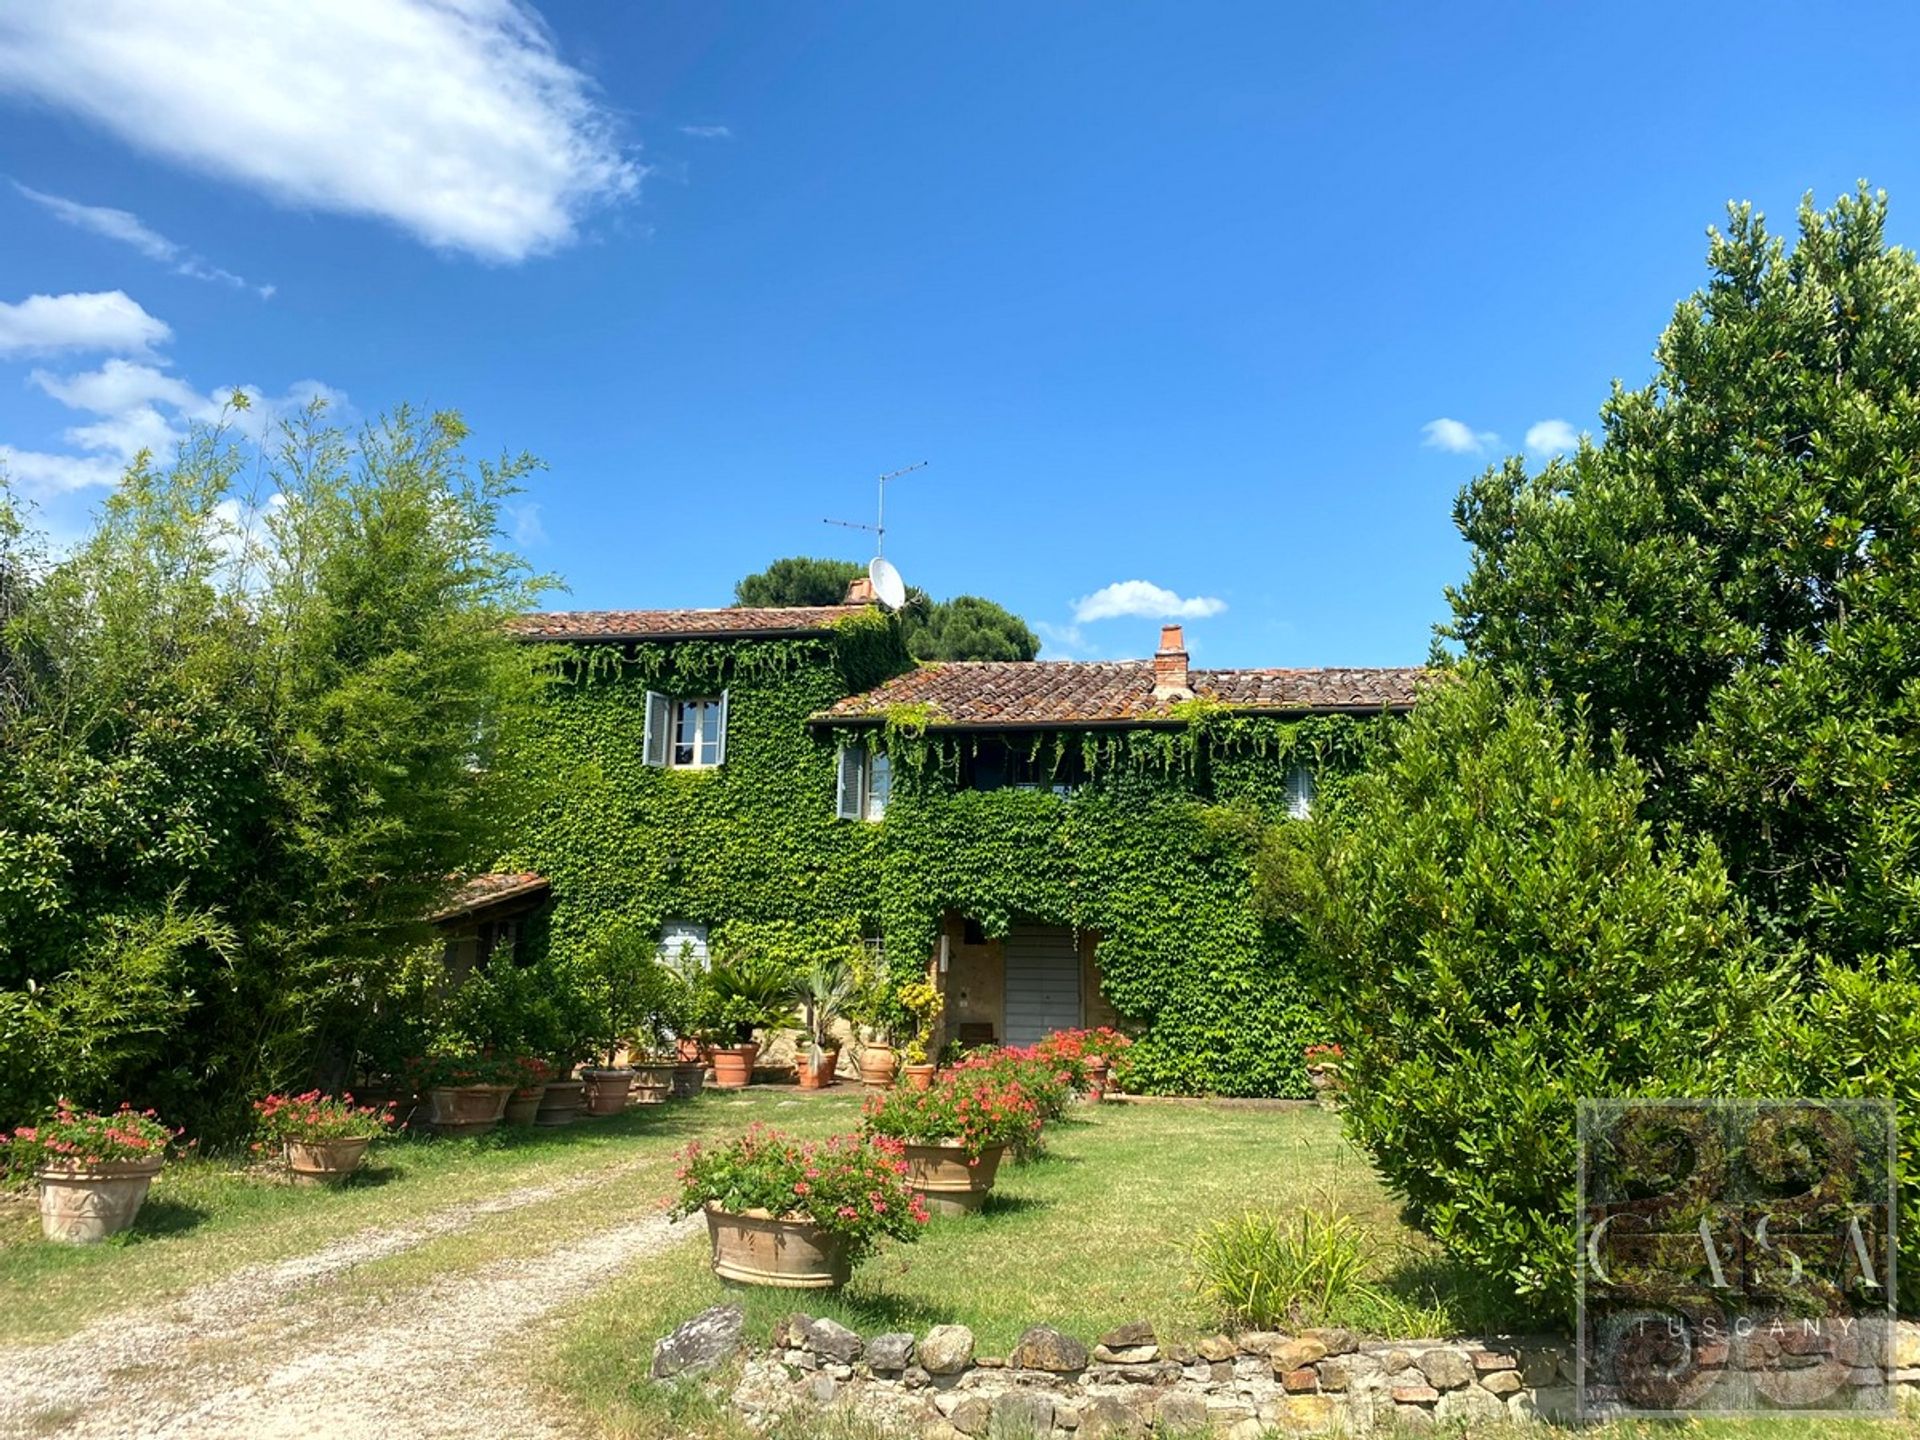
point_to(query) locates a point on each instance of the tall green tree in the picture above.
(966, 627)
(1729, 576)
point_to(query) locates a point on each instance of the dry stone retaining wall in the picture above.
(1129, 1386)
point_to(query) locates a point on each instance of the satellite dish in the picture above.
(887, 583)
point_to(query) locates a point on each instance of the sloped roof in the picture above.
(737, 621)
(493, 889)
(994, 694)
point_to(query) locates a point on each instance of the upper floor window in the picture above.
(1299, 792)
(686, 734)
(997, 764)
(865, 783)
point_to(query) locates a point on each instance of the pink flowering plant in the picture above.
(974, 1105)
(313, 1116)
(852, 1186)
(71, 1139)
(1048, 1080)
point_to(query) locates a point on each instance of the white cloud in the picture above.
(1062, 642)
(456, 120)
(527, 529)
(707, 132)
(1551, 437)
(1457, 438)
(99, 320)
(1144, 599)
(129, 229)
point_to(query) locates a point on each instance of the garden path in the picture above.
(278, 1352)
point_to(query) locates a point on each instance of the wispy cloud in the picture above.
(129, 229)
(456, 120)
(108, 320)
(1551, 437)
(707, 132)
(1144, 599)
(1457, 437)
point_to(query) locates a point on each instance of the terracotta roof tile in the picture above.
(484, 890)
(675, 624)
(993, 693)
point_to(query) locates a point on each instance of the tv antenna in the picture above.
(879, 527)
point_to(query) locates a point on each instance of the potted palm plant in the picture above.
(747, 993)
(824, 993)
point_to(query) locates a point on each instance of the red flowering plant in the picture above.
(1327, 1056)
(530, 1072)
(974, 1106)
(71, 1139)
(307, 1118)
(454, 1071)
(1049, 1081)
(853, 1186)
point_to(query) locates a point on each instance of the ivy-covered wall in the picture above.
(1153, 852)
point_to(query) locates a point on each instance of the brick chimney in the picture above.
(860, 592)
(1170, 666)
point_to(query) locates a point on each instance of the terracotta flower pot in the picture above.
(944, 1179)
(523, 1106)
(84, 1204)
(1097, 1070)
(652, 1082)
(467, 1109)
(689, 1079)
(733, 1065)
(758, 1248)
(878, 1065)
(560, 1102)
(817, 1068)
(325, 1162)
(607, 1091)
(920, 1077)
(687, 1051)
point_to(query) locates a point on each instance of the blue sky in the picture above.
(1169, 294)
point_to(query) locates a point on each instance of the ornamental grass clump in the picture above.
(71, 1139)
(852, 1186)
(313, 1117)
(973, 1107)
(1270, 1271)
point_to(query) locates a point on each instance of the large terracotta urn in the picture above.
(758, 1248)
(560, 1102)
(607, 1091)
(523, 1106)
(84, 1204)
(652, 1082)
(325, 1162)
(733, 1065)
(947, 1181)
(878, 1065)
(689, 1078)
(817, 1067)
(466, 1109)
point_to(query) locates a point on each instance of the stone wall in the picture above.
(1053, 1387)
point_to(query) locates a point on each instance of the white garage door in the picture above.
(1043, 982)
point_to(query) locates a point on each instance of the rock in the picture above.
(1906, 1346)
(1413, 1420)
(946, 1401)
(703, 1342)
(1260, 1342)
(1539, 1365)
(939, 1430)
(1126, 1354)
(831, 1340)
(946, 1350)
(1337, 1341)
(822, 1388)
(763, 1388)
(1246, 1430)
(1183, 1354)
(1020, 1415)
(971, 1416)
(1556, 1404)
(1065, 1417)
(1045, 1348)
(839, 1372)
(1292, 1354)
(1501, 1382)
(1220, 1372)
(891, 1351)
(1217, 1347)
(1335, 1375)
(1471, 1406)
(1309, 1412)
(915, 1378)
(1490, 1360)
(1105, 1418)
(803, 1359)
(1302, 1381)
(1224, 1411)
(790, 1332)
(1178, 1411)
(1394, 1361)
(1445, 1369)
(990, 1362)
(1134, 1332)
(1414, 1394)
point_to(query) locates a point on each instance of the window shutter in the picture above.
(659, 734)
(1300, 792)
(853, 761)
(879, 784)
(720, 753)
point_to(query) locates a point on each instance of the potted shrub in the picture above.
(561, 1098)
(530, 1089)
(1088, 1054)
(824, 993)
(466, 1094)
(797, 1213)
(621, 982)
(923, 1004)
(323, 1138)
(955, 1133)
(748, 993)
(94, 1170)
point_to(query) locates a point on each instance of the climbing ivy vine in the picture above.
(1154, 851)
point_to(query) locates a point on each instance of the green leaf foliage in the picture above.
(1506, 938)
(963, 628)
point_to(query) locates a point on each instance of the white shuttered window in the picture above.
(863, 784)
(686, 734)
